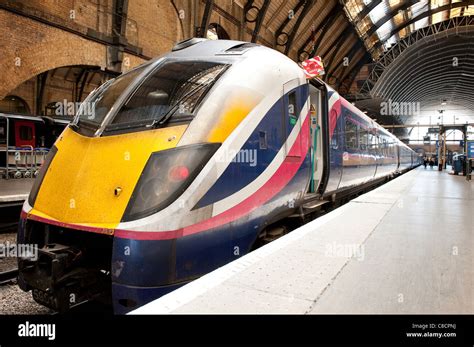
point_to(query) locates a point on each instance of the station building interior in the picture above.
(406, 65)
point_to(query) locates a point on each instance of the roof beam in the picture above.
(366, 10)
(356, 46)
(324, 30)
(304, 12)
(339, 38)
(402, 6)
(338, 44)
(280, 31)
(421, 16)
(353, 73)
(206, 16)
(334, 11)
(260, 17)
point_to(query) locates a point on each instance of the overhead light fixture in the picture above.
(467, 75)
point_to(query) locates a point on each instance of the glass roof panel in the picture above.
(382, 37)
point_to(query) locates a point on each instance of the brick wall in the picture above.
(48, 34)
(153, 25)
(33, 48)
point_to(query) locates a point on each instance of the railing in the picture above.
(22, 162)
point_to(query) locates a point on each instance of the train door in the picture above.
(316, 138)
(291, 115)
(25, 134)
(336, 148)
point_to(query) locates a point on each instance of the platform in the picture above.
(15, 190)
(405, 247)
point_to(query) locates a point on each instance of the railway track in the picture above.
(9, 216)
(8, 227)
(8, 276)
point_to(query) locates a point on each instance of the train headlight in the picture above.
(166, 176)
(39, 178)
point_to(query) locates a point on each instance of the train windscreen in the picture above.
(171, 93)
(97, 105)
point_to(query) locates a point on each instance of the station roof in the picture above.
(305, 28)
(422, 51)
(366, 32)
(382, 23)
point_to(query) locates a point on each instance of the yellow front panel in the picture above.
(79, 185)
(236, 108)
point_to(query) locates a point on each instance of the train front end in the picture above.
(129, 206)
(119, 161)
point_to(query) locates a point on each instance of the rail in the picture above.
(8, 276)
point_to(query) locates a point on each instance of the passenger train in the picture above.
(186, 163)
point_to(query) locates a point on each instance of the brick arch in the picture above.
(36, 58)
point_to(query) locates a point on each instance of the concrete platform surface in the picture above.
(405, 247)
(13, 190)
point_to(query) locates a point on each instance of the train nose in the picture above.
(91, 179)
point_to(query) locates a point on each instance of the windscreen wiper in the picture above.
(167, 116)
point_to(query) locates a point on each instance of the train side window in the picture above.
(351, 138)
(26, 133)
(363, 139)
(372, 143)
(292, 107)
(379, 145)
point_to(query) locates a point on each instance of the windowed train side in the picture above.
(360, 149)
(189, 159)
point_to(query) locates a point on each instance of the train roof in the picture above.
(64, 121)
(22, 117)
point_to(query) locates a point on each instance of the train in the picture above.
(186, 163)
(24, 143)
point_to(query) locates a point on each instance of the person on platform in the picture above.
(431, 163)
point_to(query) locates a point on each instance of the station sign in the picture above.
(470, 149)
(433, 130)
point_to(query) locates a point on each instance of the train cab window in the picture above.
(26, 133)
(171, 93)
(351, 137)
(97, 105)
